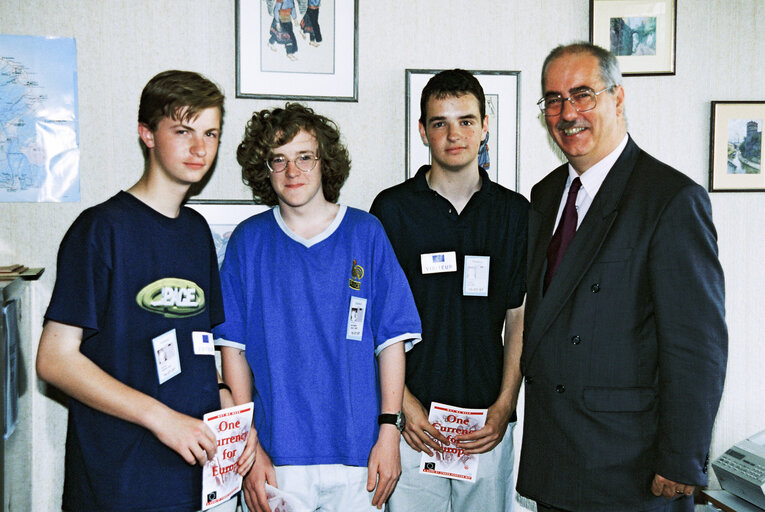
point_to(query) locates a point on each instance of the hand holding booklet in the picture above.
(452, 461)
(231, 426)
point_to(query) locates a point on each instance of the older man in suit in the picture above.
(625, 342)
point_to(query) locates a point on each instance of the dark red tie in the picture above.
(564, 234)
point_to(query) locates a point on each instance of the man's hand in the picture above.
(188, 437)
(247, 459)
(664, 487)
(485, 439)
(418, 432)
(254, 485)
(384, 466)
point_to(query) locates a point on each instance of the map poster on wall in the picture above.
(39, 141)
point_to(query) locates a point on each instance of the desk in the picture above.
(728, 502)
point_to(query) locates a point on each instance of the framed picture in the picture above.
(499, 155)
(223, 216)
(641, 33)
(735, 146)
(308, 51)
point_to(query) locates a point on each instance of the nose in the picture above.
(292, 171)
(567, 110)
(198, 147)
(453, 132)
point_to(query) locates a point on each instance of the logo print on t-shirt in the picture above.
(357, 272)
(172, 298)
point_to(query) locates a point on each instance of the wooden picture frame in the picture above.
(641, 33)
(273, 61)
(735, 146)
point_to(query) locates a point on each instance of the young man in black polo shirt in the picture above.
(452, 213)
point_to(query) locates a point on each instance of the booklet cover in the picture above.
(220, 480)
(453, 462)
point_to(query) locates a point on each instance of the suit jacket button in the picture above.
(595, 288)
(576, 340)
(560, 388)
(528, 380)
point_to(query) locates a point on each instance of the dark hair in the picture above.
(271, 128)
(179, 95)
(452, 83)
(607, 62)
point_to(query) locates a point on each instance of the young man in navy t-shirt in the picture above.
(137, 293)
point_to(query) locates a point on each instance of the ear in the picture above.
(423, 134)
(620, 101)
(485, 127)
(147, 136)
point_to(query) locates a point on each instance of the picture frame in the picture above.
(223, 215)
(735, 146)
(641, 33)
(502, 92)
(274, 61)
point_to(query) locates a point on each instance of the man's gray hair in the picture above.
(609, 65)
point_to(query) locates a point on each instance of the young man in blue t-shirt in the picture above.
(137, 293)
(318, 316)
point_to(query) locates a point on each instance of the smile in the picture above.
(573, 130)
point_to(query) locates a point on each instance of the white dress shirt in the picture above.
(591, 180)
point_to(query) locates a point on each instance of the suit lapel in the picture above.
(580, 254)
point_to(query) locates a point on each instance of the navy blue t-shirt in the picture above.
(127, 274)
(460, 358)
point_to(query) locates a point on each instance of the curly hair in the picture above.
(271, 128)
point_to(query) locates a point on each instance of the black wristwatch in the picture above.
(397, 419)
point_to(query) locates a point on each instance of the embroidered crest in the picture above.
(357, 273)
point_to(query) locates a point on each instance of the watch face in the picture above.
(401, 421)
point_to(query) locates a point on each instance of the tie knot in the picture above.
(575, 186)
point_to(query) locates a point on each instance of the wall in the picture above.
(123, 43)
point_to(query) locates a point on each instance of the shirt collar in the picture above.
(421, 183)
(594, 177)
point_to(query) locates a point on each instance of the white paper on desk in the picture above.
(231, 426)
(453, 462)
(281, 501)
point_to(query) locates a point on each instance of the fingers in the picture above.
(249, 454)
(669, 489)
(385, 476)
(480, 441)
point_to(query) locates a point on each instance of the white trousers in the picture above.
(492, 491)
(325, 488)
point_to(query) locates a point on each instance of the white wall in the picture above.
(123, 43)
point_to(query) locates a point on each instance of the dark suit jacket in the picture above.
(624, 356)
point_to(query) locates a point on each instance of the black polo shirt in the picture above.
(459, 360)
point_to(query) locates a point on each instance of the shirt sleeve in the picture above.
(516, 290)
(394, 314)
(83, 268)
(232, 331)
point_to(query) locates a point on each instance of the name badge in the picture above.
(356, 312)
(437, 262)
(166, 355)
(475, 281)
(203, 343)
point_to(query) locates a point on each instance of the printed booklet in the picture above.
(231, 426)
(453, 462)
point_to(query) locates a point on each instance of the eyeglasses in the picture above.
(582, 101)
(305, 162)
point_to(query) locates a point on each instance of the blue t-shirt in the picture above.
(293, 305)
(127, 274)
